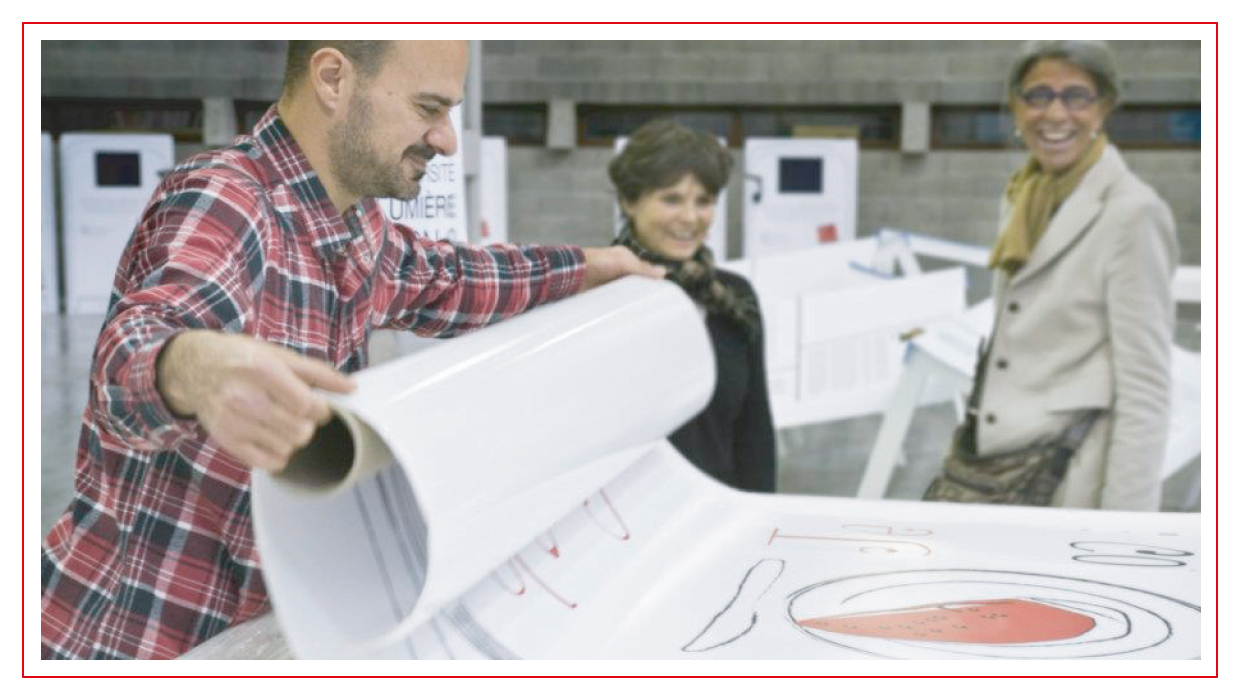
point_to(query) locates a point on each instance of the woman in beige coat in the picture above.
(1084, 312)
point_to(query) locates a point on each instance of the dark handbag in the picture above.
(1027, 476)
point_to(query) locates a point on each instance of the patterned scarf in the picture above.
(1035, 195)
(697, 277)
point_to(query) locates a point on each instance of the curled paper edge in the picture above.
(340, 453)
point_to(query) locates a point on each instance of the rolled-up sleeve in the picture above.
(193, 263)
(438, 288)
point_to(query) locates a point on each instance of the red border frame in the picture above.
(595, 22)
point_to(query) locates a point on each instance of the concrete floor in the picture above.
(825, 459)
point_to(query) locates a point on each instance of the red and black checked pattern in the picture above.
(156, 552)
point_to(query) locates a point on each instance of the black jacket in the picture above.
(733, 438)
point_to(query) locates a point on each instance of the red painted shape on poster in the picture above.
(552, 547)
(565, 601)
(1004, 621)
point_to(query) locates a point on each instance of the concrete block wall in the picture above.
(792, 72)
(559, 196)
(191, 69)
(950, 193)
(563, 195)
(1176, 176)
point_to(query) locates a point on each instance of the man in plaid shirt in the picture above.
(254, 276)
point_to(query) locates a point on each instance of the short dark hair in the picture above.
(368, 56)
(1093, 57)
(661, 152)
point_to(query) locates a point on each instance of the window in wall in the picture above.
(1133, 126)
(957, 126)
(520, 124)
(599, 125)
(876, 126)
(180, 118)
(1156, 126)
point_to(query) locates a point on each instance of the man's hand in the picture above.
(253, 398)
(606, 264)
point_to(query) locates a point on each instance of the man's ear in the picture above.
(332, 78)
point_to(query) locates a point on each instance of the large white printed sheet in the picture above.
(531, 509)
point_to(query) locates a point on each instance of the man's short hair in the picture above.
(368, 56)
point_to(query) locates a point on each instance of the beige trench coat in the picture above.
(1087, 323)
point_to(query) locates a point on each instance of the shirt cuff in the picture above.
(157, 420)
(568, 271)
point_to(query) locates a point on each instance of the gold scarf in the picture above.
(1035, 196)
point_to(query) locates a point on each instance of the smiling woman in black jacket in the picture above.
(667, 180)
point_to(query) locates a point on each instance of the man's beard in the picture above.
(358, 168)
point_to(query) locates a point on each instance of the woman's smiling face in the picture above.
(1058, 132)
(672, 221)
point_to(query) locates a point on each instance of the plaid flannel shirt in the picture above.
(156, 552)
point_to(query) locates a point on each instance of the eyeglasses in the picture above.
(1075, 98)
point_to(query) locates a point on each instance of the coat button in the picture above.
(1001, 364)
(1013, 307)
(990, 418)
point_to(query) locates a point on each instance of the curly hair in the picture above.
(658, 155)
(661, 152)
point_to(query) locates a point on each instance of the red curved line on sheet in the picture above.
(500, 582)
(571, 605)
(625, 534)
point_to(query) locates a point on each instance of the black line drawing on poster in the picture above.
(1129, 554)
(740, 614)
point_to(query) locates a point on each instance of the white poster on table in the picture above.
(836, 329)
(852, 343)
(556, 524)
(799, 193)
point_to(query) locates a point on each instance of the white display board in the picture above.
(716, 235)
(565, 529)
(799, 193)
(836, 329)
(439, 210)
(493, 191)
(106, 180)
(49, 282)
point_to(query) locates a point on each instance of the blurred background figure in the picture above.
(1083, 269)
(667, 180)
